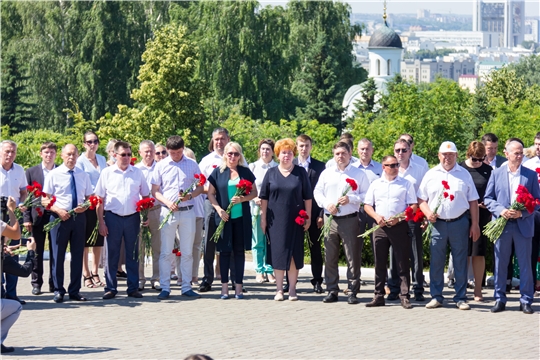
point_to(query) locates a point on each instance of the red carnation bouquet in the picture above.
(200, 180)
(524, 201)
(143, 207)
(301, 220)
(176, 249)
(406, 215)
(243, 187)
(35, 193)
(90, 203)
(351, 185)
(443, 195)
(132, 161)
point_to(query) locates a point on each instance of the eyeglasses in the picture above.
(124, 155)
(90, 142)
(477, 159)
(400, 150)
(392, 166)
(235, 154)
(164, 152)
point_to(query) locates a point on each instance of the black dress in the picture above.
(480, 178)
(285, 197)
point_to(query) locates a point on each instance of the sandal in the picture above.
(88, 282)
(97, 283)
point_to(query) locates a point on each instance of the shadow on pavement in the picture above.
(58, 350)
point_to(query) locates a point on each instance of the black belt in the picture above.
(355, 214)
(122, 216)
(185, 208)
(454, 219)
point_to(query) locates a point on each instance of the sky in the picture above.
(408, 6)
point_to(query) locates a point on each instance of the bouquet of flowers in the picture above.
(200, 180)
(443, 195)
(90, 203)
(35, 193)
(143, 206)
(351, 185)
(524, 201)
(243, 187)
(176, 249)
(132, 161)
(301, 220)
(406, 215)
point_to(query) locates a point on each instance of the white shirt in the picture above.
(305, 164)
(12, 181)
(148, 172)
(513, 181)
(210, 162)
(390, 198)
(330, 188)
(461, 186)
(373, 170)
(58, 183)
(45, 170)
(420, 161)
(259, 169)
(332, 163)
(533, 164)
(3, 225)
(414, 173)
(121, 190)
(84, 164)
(175, 177)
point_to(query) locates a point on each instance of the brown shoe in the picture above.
(406, 304)
(376, 302)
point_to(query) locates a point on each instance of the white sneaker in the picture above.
(462, 305)
(174, 277)
(433, 304)
(156, 286)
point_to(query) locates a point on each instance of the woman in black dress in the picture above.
(236, 235)
(480, 173)
(285, 191)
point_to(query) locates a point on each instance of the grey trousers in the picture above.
(10, 311)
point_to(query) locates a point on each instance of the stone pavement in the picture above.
(260, 328)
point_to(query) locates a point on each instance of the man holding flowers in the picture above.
(70, 186)
(174, 185)
(120, 187)
(503, 190)
(340, 191)
(446, 196)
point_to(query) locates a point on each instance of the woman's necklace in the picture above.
(286, 170)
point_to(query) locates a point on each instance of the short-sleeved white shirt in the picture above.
(148, 172)
(373, 170)
(12, 181)
(414, 174)
(58, 183)
(175, 177)
(390, 197)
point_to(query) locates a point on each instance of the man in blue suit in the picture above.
(500, 194)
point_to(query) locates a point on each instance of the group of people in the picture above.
(294, 199)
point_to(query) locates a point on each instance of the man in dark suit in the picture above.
(500, 194)
(33, 222)
(491, 142)
(314, 169)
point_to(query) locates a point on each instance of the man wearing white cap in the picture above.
(459, 201)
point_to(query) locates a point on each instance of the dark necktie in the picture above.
(73, 190)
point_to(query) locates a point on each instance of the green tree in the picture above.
(528, 68)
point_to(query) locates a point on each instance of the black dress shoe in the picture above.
(526, 308)
(135, 294)
(204, 287)
(392, 297)
(499, 306)
(77, 297)
(58, 298)
(121, 274)
(108, 295)
(508, 288)
(286, 288)
(51, 288)
(419, 297)
(317, 288)
(406, 304)
(352, 300)
(36, 290)
(7, 349)
(330, 298)
(376, 302)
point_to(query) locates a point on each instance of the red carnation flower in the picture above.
(132, 161)
(202, 179)
(300, 221)
(445, 184)
(452, 197)
(178, 253)
(419, 216)
(303, 214)
(352, 183)
(214, 166)
(409, 214)
(39, 211)
(174, 251)
(445, 194)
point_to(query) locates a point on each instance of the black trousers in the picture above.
(316, 253)
(40, 237)
(237, 254)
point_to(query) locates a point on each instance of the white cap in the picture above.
(448, 147)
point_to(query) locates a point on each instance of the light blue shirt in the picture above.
(85, 165)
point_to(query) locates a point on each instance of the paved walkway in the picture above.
(260, 328)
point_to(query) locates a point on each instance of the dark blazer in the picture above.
(12, 266)
(315, 169)
(498, 198)
(35, 173)
(499, 160)
(220, 182)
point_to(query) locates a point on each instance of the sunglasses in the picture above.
(124, 155)
(164, 152)
(400, 150)
(392, 166)
(235, 154)
(90, 142)
(477, 159)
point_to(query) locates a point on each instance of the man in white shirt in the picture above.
(387, 197)
(450, 222)
(414, 158)
(344, 225)
(534, 165)
(414, 173)
(172, 176)
(12, 183)
(220, 138)
(147, 165)
(71, 186)
(120, 187)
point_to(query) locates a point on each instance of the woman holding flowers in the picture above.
(92, 164)
(285, 191)
(480, 173)
(258, 244)
(235, 221)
